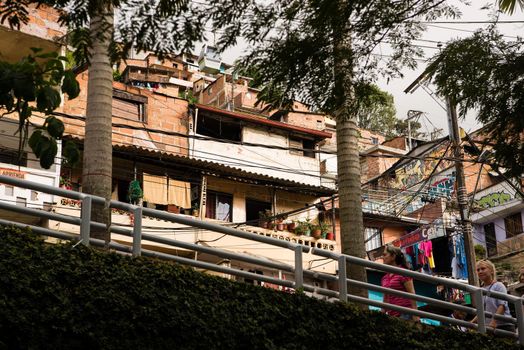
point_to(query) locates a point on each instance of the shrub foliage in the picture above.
(60, 296)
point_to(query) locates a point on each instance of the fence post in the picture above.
(85, 224)
(137, 231)
(299, 275)
(342, 279)
(479, 305)
(520, 320)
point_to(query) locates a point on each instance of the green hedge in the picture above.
(60, 296)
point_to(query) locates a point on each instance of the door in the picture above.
(491, 239)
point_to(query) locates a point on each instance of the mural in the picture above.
(417, 170)
(493, 200)
(442, 188)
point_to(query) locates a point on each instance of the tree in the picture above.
(375, 109)
(162, 26)
(401, 128)
(30, 85)
(318, 52)
(486, 73)
(509, 6)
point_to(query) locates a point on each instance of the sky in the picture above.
(434, 115)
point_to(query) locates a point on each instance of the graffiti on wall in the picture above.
(442, 188)
(416, 170)
(493, 200)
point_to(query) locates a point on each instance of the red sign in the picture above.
(410, 239)
(12, 173)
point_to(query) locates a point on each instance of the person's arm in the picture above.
(500, 311)
(410, 288)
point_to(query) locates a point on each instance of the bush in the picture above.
(60, 296)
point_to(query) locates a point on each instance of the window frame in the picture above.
(138, 100)
(372, 242)
(210, 194)
(513, 225)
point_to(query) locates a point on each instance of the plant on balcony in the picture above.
(303, 228)
(325, 228)
(316, 231)
(264, 218)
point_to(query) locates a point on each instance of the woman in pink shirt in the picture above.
(393, 256)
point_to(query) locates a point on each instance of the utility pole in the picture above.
(462, 195)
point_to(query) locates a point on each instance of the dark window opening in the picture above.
(513, 225)
(219, 206)
(374, 140)
(309, 147)
(253, 207)
(220, 128)
(123, 187)
(9, 156)
(491, 239)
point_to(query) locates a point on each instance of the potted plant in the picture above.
(264, 218)
(324, 228)
(291, 226)
(303, 228)
(316, 231)
(196, 209)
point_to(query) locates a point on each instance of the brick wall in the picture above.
(43, 23)
(398, 142)
(163, 113)
(307, 120)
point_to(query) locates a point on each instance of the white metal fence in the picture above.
(341, 293)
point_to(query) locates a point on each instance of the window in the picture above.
(219, 206)
(307, 147)
(21, 201)
(219, 127)
(129, 106)
(373, 238)
(295, 143)
(513, 225)
(491, 239)
(9, 191)
(10, 156)
(253, 208)
(374, 140)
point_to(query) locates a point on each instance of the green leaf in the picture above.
(70, 85)
(71, 153)
(48, 152)
(34, 142)
(55, 127)
(48, 99)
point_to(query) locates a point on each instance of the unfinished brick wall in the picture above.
(398, 142)
(306, 119)
(163, 113)
(43, 23)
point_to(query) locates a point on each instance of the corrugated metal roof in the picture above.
(217, 169)
(230, 172)
(264, 121)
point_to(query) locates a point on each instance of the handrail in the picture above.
(138, 236)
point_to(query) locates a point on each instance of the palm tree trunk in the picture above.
(97, 167)
(348, 161)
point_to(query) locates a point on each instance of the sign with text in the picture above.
(434, 230)
(12, 173)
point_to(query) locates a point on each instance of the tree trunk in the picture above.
(97, 167)
(348, 161)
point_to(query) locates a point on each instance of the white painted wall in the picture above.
(260, 160)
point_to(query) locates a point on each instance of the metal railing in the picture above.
(303, 278)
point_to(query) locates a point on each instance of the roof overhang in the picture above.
(218, 170)
(250, 118)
